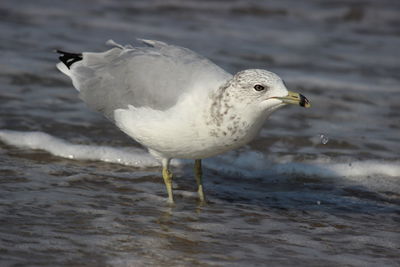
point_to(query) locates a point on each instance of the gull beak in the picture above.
(295, 98)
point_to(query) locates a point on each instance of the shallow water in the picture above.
(75, 191)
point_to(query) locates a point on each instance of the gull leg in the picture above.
(167, 175)
(199, 180)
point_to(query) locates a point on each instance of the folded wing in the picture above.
(153, 76)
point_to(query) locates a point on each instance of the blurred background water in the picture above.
(317, 187)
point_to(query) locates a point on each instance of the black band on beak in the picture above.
(303, 101)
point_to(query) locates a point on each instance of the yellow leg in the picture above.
(199, 180)
(167, 175)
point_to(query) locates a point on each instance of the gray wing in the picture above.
(154, 76)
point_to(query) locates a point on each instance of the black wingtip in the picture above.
(69, 58)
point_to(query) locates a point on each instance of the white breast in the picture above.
(177, 133)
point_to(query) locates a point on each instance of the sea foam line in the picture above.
(248, 163)
(61, 148)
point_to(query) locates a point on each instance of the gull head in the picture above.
(263, 90)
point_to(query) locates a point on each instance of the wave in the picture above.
(249, 164)
(38, 140)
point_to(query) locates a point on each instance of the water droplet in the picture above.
(324, 139)
(318, 202)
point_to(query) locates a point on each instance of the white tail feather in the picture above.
(61, 67)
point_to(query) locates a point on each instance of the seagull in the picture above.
(175, 102)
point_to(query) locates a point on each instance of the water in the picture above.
(324, 139)
(76, 191)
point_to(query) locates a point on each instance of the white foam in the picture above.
(353, 169)
(252, 163)
(59, 147)
(372, 173)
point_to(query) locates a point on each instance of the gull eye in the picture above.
(258, 87)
